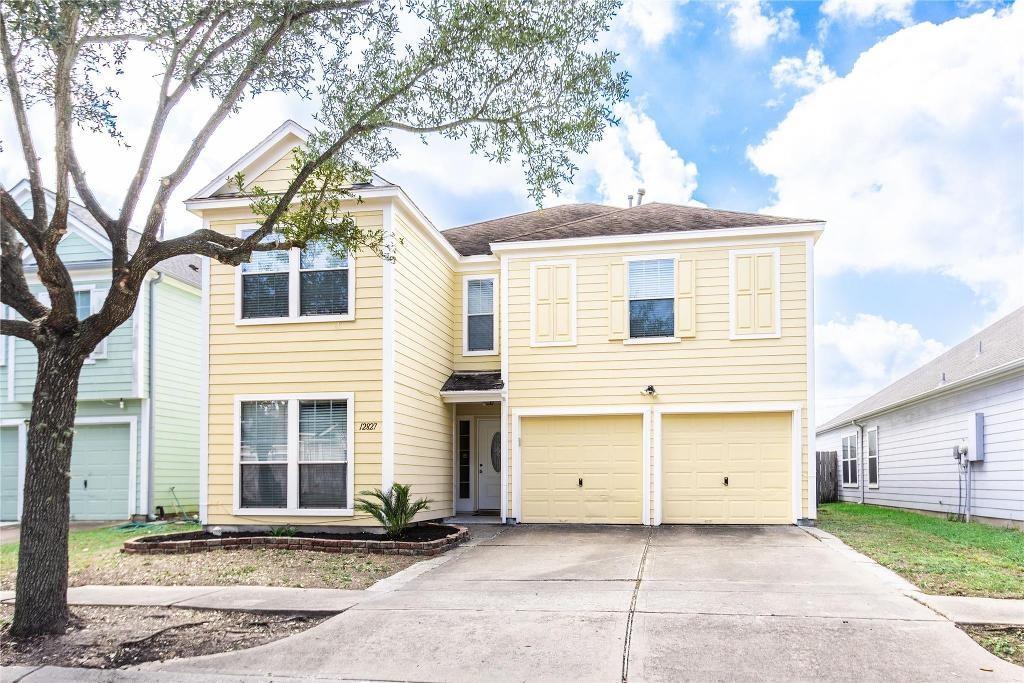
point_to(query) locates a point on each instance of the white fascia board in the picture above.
(998, 372)
(22, 195)
(471, 396)
(814, 229)
(287, 128)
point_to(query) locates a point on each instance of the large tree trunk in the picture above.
(41, 604)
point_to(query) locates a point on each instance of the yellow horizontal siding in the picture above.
(277, 177)
(708, 368)
(292, 358)
(424, 283)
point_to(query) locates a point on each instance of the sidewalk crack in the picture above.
(632, 607)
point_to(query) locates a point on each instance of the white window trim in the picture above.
(855, 460)
(867, 459)
(293, 291)
(465, 315)
(776, 254)
(293, 509)
(101, 349)
(675, 298)
(572, 301)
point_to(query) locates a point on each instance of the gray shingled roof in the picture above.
(995, 346)
(473, 381)
(596, 220)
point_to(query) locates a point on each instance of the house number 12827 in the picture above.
(367, 426)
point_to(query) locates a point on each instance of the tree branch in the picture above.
(85, 192)
(14, 289)
(28, 150)
(17, 328)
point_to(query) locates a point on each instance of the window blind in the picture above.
(265, 283)
(480, 315)
(323, 454)
(264, 454)
(651, 298)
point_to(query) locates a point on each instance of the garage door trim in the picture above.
(794, 409)
(132, 423)
(569, 411)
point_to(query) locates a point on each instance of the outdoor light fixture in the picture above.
(650, 390)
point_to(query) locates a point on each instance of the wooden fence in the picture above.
(828, 476)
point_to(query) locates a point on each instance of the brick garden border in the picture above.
(166, 545)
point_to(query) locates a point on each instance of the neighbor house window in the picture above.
(849, 460)
(651, 298)
(308, 439)
(83, 303)
(872, 459)
(286, 286)
(480, 324)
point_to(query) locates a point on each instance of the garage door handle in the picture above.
(725, 481)
(581, 482)
(85, 483)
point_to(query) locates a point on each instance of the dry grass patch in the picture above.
(1006, 642)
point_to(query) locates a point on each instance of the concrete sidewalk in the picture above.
(240, 598)
(964, 610)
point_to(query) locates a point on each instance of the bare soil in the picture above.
(1006, 642)
(112, 637)
(258, 567)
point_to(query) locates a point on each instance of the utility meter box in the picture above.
(976, 437)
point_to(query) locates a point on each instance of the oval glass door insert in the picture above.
(496, 452)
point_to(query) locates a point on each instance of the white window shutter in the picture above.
(98, 297)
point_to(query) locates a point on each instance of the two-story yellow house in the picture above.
(581, 363)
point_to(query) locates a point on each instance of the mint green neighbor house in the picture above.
(136, 448)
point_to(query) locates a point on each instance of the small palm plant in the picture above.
(393, 508)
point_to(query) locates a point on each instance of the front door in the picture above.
(488, 464)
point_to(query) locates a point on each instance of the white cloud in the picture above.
(914, 158)
(869, 11)
(754, 23)
(806, 74)
(634, 155)
(856, 359)
(653, 20)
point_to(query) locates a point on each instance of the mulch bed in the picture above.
(428, 539)
(112, 637)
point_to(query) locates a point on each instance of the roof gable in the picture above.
(268, 154)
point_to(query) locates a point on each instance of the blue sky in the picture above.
(899, 123)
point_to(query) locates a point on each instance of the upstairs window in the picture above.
(265, 283)
(651, 298)
(291, 286)
(480, 328)
(323, 282)
(849, 460)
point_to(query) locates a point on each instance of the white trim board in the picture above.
(204, 391)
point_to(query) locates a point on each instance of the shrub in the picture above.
(283, 531)
(393, 509)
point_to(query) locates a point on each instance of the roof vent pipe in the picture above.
(640, 196)
(630, 198)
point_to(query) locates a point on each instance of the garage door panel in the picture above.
(604, 451)
(99, 472)
(752, 450)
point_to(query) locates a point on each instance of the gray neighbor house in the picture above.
(948, 438)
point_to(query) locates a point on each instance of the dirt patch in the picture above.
(112, 637)
(1006, 642)
(264, 567)
(416, 534)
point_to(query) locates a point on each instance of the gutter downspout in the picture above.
(860, 450)
(151, 375)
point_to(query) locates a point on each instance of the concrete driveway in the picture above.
(559, 603)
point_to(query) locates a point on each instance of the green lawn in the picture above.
(939, 556)
(86, 547)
